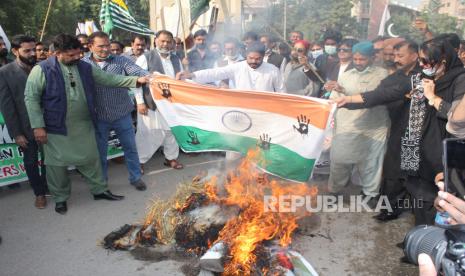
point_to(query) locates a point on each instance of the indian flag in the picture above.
(288, 129)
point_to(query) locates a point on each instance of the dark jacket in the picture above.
(154, 64)
(333, 74)
(53, 100)
(275, 59)
(12, 84)
(392, 92)
(449, 87)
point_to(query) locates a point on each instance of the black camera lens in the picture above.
(430, 240)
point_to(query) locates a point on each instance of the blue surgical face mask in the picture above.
(430, 72)
(330, 49)
(317, 53)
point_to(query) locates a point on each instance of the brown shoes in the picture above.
(173, 164)
(41, 202)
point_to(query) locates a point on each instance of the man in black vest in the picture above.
(13, 77)
(152, 129)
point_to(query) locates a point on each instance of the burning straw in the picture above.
(225, 218)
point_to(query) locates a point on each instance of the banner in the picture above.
(288, 129)
(11, 156)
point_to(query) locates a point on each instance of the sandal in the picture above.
(173, 164)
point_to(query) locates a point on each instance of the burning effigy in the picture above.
(221, 221)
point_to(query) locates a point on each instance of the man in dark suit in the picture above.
(271, 56)
(13, 77)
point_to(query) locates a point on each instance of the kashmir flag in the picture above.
(288, 129)
(115, 14)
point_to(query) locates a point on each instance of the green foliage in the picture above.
(312, 17)
(27, 17)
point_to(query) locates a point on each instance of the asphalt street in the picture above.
(42, 242)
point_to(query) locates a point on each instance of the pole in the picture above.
(285, 19)
(183, 34)
(45, 21)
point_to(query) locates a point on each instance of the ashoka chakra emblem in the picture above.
(237, 121)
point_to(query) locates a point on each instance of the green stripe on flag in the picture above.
(112, 15)
(278, 160)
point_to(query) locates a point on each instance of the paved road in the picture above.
(41, 242)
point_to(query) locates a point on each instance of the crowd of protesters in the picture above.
(397, 98)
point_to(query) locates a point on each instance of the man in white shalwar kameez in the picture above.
(250, 74)
(359, 139)
(152, 129)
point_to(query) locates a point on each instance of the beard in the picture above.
(71, 62)
(164, 51)
(255, 65)
(3, 52)
(201, 46)
(28, 61)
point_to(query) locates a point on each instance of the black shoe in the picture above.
(386, 216)
(139, 185)
(107, 195)
(61, 208)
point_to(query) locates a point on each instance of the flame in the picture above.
(246, 188)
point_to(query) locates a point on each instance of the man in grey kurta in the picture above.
(359, 139)
(59, 99)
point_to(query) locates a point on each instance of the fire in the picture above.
(246, 188)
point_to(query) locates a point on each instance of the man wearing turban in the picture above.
(359, 138)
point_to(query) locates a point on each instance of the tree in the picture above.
(312, 17)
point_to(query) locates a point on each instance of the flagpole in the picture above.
(45, 21)
(186, 66)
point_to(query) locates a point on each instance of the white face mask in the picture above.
(430, 72)
(163, 51)
(330, 49)
(317, 53)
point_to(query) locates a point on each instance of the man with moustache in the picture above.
(200, 56)
(41, 52)
(138, 46)
(3, 53)
(152, 129)
(250, 74)
(13, 77)
(395, 86)
(359, 136)
(60, 101)
(114, 107)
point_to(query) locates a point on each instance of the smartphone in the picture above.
(454, 166)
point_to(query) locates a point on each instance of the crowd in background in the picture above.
(398, 99)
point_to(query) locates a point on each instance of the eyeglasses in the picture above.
(71, 80)
(344, 50)
(299, 50)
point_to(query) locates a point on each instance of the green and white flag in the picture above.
(287, 130)
(115, 14)
(198, 7)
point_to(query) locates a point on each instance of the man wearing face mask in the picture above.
(3, 53)
(114, 107)
(327, 62)
(199, 56)
(60, 101)
(13, 79)
(231, 55)
(152, 129)
(359, 138)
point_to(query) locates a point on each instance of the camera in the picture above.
(445, 246)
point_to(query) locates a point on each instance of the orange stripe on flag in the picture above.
(284, 104)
